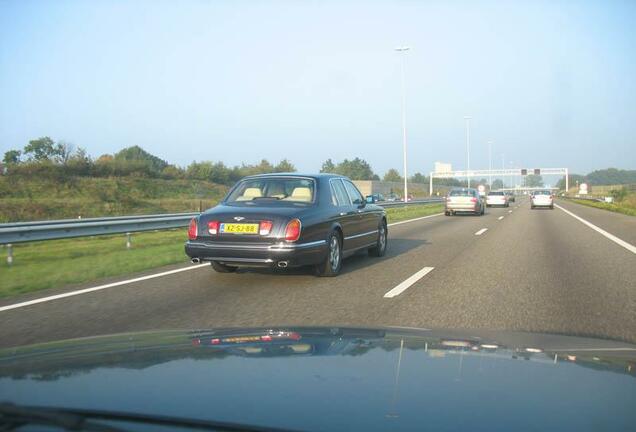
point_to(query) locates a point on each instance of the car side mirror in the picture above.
(370, 199)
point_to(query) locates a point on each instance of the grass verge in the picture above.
(619, 207)
(59, 263)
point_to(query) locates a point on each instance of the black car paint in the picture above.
(318, 220)
(332, 378)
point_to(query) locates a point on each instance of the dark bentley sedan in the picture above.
(288, 220)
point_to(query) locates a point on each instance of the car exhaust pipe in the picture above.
(195, 260)
(282, 264)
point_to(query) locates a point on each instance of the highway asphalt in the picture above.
(532, 270)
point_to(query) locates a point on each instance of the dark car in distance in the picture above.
(288, 220)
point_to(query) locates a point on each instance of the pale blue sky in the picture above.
(551, 83)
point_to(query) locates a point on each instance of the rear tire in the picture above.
(222, 268)
(551, 207)
(332, 264)
(447, 213)
(531, 207)
(380, 246)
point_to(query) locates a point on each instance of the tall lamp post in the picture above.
(490, 164)
(467, 118)
(402, 50)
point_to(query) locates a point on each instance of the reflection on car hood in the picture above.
(337, 378)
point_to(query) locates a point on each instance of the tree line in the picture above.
(47, 158)
(60, 160)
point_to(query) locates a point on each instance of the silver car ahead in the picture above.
(497, 198)
(542, 198)
(464, 200)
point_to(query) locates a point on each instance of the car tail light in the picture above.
(473, 200)
(215, 341)
(213, 227)
(292, 230)
(192, 229)
(266, 338)
(265, 227)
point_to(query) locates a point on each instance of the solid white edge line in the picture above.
(98, 288)
(500, 218)
(414, 220)
(143, 278)
(408, 282)
(481, 231)
(592, 349)
(601, 231)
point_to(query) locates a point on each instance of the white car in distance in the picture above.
(542, 198)
(497, 198)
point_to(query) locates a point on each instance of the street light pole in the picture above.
(503, 167)
(467, 118)
(402, 50)
(490, 164)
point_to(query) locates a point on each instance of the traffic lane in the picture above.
(618, 224)
(537, 271)
(202, 298)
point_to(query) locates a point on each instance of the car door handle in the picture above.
(343, 213)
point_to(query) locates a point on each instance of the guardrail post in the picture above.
(9, 254)
(128, 243)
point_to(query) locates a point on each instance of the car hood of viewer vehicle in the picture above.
(314, 378)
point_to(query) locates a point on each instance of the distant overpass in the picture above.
(501, 173)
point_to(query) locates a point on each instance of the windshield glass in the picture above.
(273, 189)
(462, 192)
(542, 192)
(495, 193)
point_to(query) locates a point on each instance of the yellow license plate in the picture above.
(235, 228)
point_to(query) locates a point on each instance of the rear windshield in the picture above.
(273, 189)
(542, 192)
(462, 192)
(495, 193)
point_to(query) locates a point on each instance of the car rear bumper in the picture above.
(258, 255)
(542, 204)
(496, 203)
(459, 208)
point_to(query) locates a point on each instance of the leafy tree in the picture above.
(533, 181)
(137, 154)
(64, 151)
(419, 178)
(611, 176)
(497, 184)
(12, 157)
(375, 177)
(79, 162)
(285, 166)
(328, 167)
(356, 169)
(453, 182)
(41, 149)
(573, 178)
(392, 175)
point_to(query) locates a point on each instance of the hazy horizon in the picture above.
(550, 83)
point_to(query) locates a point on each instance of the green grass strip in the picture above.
(59, 263)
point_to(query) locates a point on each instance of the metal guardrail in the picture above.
(21, 232)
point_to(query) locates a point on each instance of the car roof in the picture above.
(295, 174)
